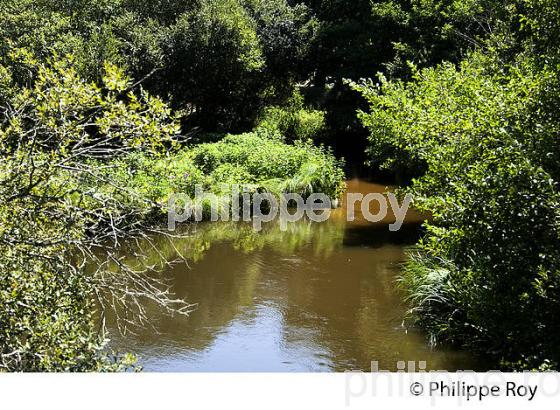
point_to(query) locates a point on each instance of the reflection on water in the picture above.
(319, 297)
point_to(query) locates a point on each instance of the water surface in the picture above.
(319, 297)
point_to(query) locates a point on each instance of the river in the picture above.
(318, 297)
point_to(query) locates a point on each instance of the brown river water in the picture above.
(318, 297)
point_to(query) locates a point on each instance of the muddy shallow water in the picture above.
(318, 297)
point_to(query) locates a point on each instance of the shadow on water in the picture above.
(318, 297)
(376, 237)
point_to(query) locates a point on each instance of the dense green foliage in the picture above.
(49, 131)
(300, 168)
(293, 121)
(255, 159)
(221, 61)
(357, 39)
(483, 137)
(224, 61)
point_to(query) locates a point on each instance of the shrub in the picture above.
(293, 122)
(271, 162)
(487, 274)
(151, 177)
(57, 135)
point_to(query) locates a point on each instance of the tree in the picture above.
(56, 136)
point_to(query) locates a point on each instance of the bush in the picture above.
(487, 274)
(253, 160)
(57, 136)
(298, 168)
(151, 177)
(293, 122)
